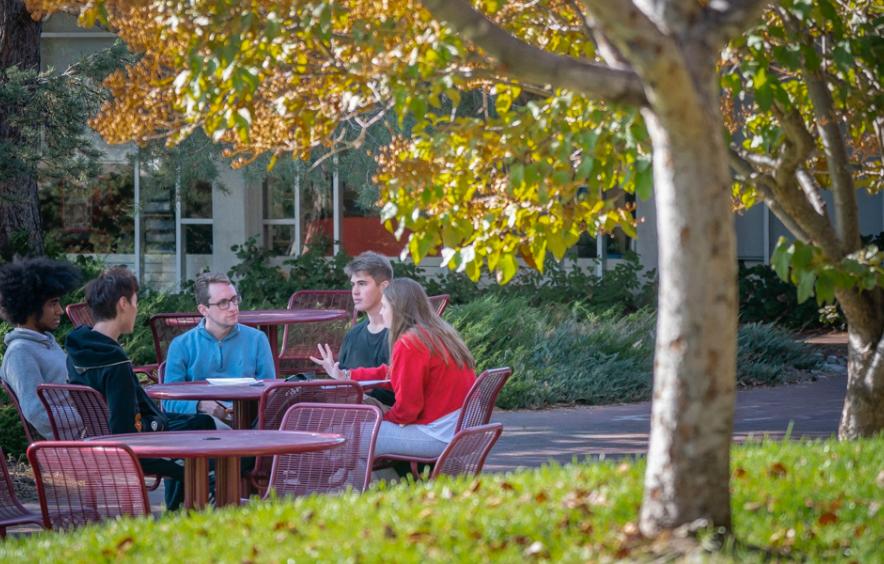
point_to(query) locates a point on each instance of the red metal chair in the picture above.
(75, 412)
(167, 326)
(78, 412)
(31, 433)
(467, 451)
(12, 512)
(476, 411)
(80, 314)
(439, 303)
(323, 299)
(85, 482)
(277, 399)
(299, 340)
(333, 470)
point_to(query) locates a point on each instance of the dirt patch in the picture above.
(22, 480)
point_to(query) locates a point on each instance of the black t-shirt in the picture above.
(364, 349)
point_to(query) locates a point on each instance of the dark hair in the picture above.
(375, 265)
(26, 285)
(203, 281)
(103, 293)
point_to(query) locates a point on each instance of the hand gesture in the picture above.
(327, 361)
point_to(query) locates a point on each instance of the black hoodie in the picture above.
(97, 361)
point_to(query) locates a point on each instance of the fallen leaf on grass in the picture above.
(827, 518)
(739, 472)
(777, 470)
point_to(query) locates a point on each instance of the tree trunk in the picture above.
(20, 225)
(863, 414)
(688, 470)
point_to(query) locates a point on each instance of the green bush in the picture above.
(766, 298)
(572, 354)
(807, 501)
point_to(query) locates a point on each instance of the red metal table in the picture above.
(227, 447)
(243, 396)
(267, 320)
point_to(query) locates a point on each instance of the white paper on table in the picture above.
(231, 381)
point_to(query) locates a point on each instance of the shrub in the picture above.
(572, 354)
(766, 298)
(807, 501)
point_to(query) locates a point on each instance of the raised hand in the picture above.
(327, 361)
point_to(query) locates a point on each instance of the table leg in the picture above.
(227, 490)
(196, 483)
(244, 412)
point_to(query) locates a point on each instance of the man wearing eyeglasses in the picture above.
(218, 347)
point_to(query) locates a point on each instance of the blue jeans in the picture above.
(407, 440)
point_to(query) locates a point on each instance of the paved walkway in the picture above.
(531, 438)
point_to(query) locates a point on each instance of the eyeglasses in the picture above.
(225, 304)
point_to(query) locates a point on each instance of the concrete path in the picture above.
(531, 438)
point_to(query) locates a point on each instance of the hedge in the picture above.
(814, 501)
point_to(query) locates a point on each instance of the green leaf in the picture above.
(506, 268)
(805, 285)
(644, 179)
(781, 258)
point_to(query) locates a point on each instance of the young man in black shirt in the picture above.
(96, 359)
(366, 345)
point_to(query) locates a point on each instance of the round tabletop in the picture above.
(198, 444)
(202, 390)
(285, 316)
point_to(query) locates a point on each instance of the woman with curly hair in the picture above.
(431, 371)
(30, 299)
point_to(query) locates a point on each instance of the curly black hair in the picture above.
(26, 285)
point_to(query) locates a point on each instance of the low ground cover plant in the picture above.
(804, 501)
(564, 354)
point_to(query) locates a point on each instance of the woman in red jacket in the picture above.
(431, 371)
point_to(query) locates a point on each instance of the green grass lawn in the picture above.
(814, 501)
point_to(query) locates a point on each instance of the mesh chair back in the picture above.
(467, 451)
(12, 512)
(80, 314)
(31, 433)
(439, 303)
(299, 340)
(80, 483)
(480, 400)
(336, 469)
(277, 399)
(75, 412)
(167, 326)
(323, 299)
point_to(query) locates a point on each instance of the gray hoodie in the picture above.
(31, 359)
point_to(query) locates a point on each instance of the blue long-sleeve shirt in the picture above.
(198, 355)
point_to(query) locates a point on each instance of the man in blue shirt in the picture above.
(219, 347)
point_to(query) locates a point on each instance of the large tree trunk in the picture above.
(20, 226)
(688, 470)
(863, 414)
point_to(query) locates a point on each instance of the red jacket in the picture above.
(426, 389)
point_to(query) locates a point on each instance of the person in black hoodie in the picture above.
(97, 360)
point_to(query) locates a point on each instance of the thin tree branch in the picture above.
(827, 122)
(725, 19)
(536, 65)
(764, 184)
(812, 190)
(605, 48)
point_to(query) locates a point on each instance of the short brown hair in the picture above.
(203, 281)
(103, 293)
(375, 265)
